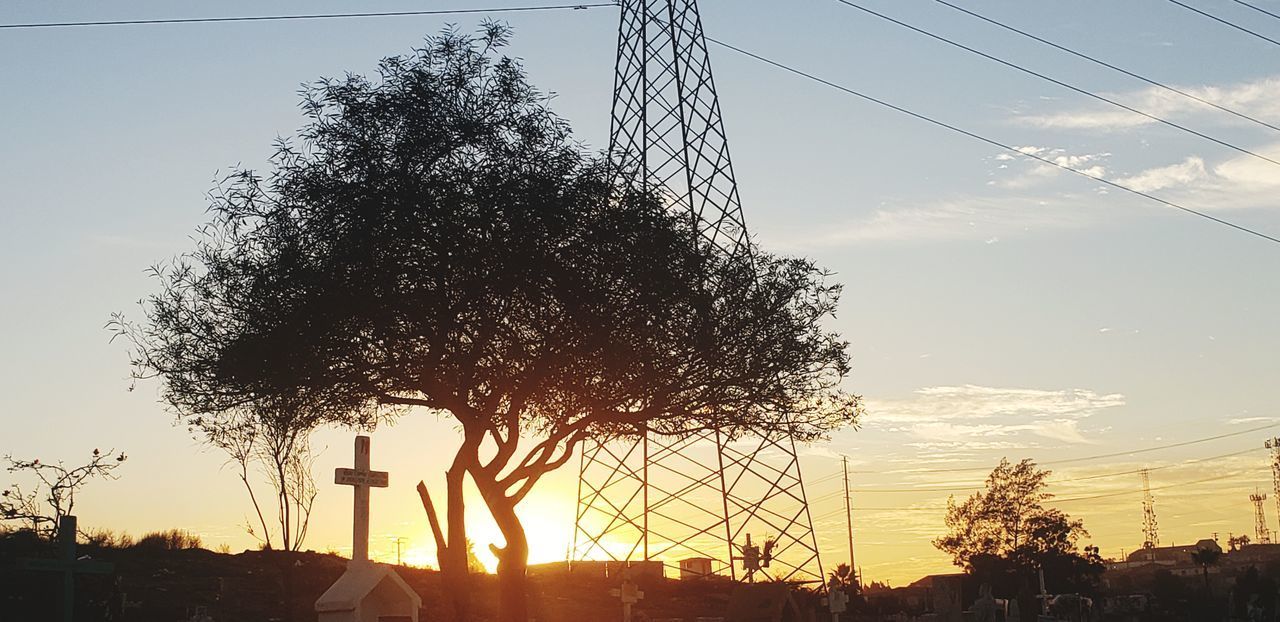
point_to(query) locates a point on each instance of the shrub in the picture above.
(171, 540)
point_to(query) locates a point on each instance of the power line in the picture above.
(1171, 446)
(1257, 8)
(926, 508)
(1111, 455)
(1103, 63)
(1225, 22)
(1058, 82)
(268, 18)
(1059, 481)
(975, 485)
(991, 141)
(1165, 487)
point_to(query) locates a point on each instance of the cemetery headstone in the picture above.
(629, 594)
(67, 565)
(366, 592)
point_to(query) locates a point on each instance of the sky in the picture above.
(995, 306)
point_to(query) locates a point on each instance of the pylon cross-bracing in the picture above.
(668, 498)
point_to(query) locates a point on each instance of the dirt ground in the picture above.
(263, 586)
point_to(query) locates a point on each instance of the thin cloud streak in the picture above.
(1258, 98)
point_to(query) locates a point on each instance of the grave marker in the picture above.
(361, 479)
(366, 591)
(67, 564)
(629, 594)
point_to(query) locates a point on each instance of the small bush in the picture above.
(107, 539)
(171, 540)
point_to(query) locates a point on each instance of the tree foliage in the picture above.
(1009, 519)
(1005, 534)
(438, 241)
(52, 493)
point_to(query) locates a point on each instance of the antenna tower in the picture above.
(1150, 531)
(1274, 445)
(1260, 518)
(666, 498)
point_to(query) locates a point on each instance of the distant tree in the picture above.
(1235, 543)
(266, 443)
(1205, 557)
(441, 243)
(474, 565)
(843, 578)
(1006, 529)
(53, 494)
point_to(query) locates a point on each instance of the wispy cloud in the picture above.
(1259, 98)
(983, 219)
(1238, 182)
(973, 417)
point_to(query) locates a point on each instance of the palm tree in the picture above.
(843, 578)
(1206, 557)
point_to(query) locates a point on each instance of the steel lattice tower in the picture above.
(1274, 445)
(669, 498)
(1150, 531)
(1260, 518)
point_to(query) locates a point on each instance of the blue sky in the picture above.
(995, 307)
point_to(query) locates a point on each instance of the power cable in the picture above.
(921, 508)
(267, 18)
(1058, 82)
(1257, 8)
(959, 488)
(1225, 22)
(1140, 491)
(1103, 63)
(990, 141)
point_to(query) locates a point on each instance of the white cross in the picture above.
(361, 478)
(630, 594)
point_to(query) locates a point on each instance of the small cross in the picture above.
(361, 478)
(629, 594)
(68, 565)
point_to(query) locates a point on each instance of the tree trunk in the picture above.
(453, 561)
(513, 562)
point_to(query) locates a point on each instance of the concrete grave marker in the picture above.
(366, 592)
(629, 594)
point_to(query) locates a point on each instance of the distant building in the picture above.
(599, 569)
(695, 568)
(941, 596)
(1170, 555)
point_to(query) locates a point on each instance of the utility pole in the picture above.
(848, 516)
(398, 541)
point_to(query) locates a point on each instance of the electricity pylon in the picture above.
(667, 498)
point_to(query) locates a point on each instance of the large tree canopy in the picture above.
(436, 239)
(1008, 531)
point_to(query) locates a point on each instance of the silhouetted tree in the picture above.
(1006, 531)
(1204, 558)
(277, 446)
(52, 494)
(439, 242)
